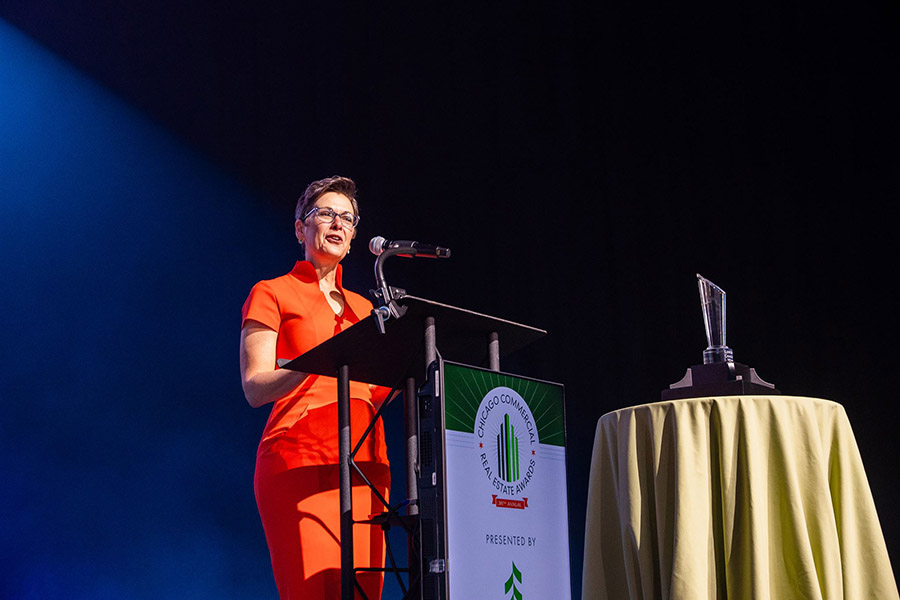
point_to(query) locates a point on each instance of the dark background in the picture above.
(583, 161)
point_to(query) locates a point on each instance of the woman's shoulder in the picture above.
(284, 288)
(274, 282)
(269, 286)
(295, 277)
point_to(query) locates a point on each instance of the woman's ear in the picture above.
(298, 230)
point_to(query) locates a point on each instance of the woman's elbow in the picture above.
(252, 395)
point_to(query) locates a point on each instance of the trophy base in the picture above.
(719, 379)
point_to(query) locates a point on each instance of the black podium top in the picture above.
(386, 359)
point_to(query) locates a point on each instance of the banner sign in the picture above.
(507, 516)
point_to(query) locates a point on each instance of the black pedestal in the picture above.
(719, 379)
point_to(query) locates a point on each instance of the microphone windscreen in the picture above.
(376, 245)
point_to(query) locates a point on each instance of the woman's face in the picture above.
(326, 243)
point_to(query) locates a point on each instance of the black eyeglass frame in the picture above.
(344, 222)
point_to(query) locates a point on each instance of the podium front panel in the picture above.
(505, 468)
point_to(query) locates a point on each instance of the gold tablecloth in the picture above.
(733, 497)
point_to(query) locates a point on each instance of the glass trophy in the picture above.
(719, 375)
(712, 301)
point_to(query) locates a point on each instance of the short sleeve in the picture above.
(262, 305)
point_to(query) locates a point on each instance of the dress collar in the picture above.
(306, 272)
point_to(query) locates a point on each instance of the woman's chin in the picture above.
(330, 253)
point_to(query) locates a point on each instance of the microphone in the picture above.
(408, 248)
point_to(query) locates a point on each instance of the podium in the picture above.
(482, 433)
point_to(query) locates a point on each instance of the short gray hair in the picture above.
(341, 185)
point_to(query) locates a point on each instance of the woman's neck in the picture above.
(326, 273)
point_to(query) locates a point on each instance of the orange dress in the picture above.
(296, 479)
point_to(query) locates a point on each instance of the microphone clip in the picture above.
(388, 307)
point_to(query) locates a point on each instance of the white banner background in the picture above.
(485, 540)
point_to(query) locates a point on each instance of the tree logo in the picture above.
(514, 578)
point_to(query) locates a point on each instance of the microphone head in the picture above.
(377, 244)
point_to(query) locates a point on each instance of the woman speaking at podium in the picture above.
(296, 479)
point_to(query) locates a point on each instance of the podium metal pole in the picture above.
(494, 351)
(430, 343)
(348, 576)
(411, 414)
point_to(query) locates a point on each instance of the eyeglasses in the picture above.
(327, 215)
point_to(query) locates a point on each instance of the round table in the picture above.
(732, 497)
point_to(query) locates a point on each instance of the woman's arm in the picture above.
(262, 382)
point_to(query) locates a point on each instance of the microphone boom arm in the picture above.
(386, 295)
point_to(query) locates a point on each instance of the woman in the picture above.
(296, 480)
